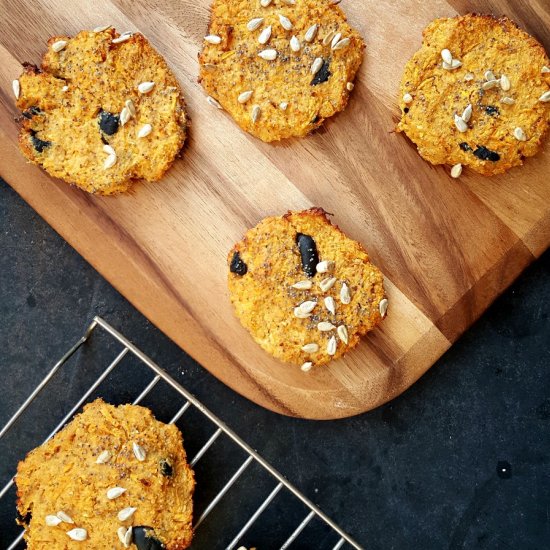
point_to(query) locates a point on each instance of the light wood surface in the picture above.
(447, 247)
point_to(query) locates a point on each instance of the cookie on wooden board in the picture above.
(104, 110)
(279, 68)
(476, 94)
(112, 477)
(304, 290)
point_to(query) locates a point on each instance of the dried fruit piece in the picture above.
(323, 74)
(165, 467)
(308, 252)
(237, 265)
(482, 153)
(108, 122)
(144, 538)
(39, 144)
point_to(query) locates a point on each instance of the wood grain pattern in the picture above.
(447, 247)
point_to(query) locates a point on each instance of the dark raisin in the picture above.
(165, 467)
(491, 110)
(483, 153)
(144, 538)
(237, 265)
(308, 251)
(315, 119)
(24, 520)
(33, 111)
(39, 144)
(323, 74)
(465, 147)
(108, 122)
(406, 110)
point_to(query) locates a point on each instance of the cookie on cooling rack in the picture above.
(103, 111)
(304, 290)
(112, 477)
(476, 94)
(279, 68)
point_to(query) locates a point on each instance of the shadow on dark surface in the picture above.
(419, 472)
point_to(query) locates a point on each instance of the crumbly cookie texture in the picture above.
(114, 476)
(304, 290)
(279, 68)
(476, 94)
(104, 110)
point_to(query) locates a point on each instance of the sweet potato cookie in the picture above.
(279, 68)
(112, 477)
(104, 110)
(304, 290)
(476, 94)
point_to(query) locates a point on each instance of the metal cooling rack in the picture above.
(303, 513)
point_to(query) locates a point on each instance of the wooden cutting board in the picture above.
(447, 247)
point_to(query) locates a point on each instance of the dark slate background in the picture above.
(461, 460)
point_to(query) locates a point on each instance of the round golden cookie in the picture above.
(110, 469)
(304, 290)
(282, 69)
(103, 111)
(476, 94)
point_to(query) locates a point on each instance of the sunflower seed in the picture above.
(324, 266)
(311, 33)
(455, 64)
(109, 162)
(407, 98)
(316, 65)
(128, 537)
(59, 45)
(265, 35)
(256, 111)
(145, 87)
(213, 39)
(519, 134)
(253, 24)
(303, 285)
(489, 75)
(139, 451)
(490, 84)
(468, 77)
(213, 102)
(467, 113)
(344, 43)
(122, 38)
(460, 124)
(545, 97)
(265, 3)
(345, 296)
(301, 314)
(447, 56)
(115, 492)
(65, 88)
(121, 532)
(285, 22)
(283, 105)
(327, 284)
(109, 150)
(144, 131)
(328, 38)
(130, 106)
(16, 88)
(383, 307)
(331, 346)
(307, 366)
(101, 29)
(310, 348)
(307, 307)
(244, 96)
(350, 86)
(78, 534)
(505, 84)
(342, 332)
(335, 39)
(507, 100)
(335, 2)
(325, 326)
(295, 44)
(456, 170)
(330, 304)
(210, 66)
(268, 55)
(125, 116)
(64, 517)
(545, 70)
(290, 2)
(126, 513)
(52, 521)
(446, 65)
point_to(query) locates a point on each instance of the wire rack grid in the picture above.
(276, 485)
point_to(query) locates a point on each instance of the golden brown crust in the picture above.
(63, 475)
(233, 66)
(265, 300)
(481, 43)
(91, 75)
